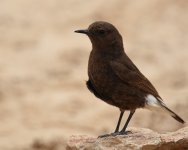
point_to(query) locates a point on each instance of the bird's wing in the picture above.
(130, 75)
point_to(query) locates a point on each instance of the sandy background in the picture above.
(43, 67)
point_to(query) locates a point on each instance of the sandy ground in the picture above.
(43, 67)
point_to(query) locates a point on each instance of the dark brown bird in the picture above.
(115, 79)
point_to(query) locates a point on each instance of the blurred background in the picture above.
(43, 67)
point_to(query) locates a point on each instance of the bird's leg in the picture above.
(117, 127)
(123, 131)
(119, 121)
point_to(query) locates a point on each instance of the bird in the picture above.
(115, 79)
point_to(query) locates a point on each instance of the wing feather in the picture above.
(133, 77)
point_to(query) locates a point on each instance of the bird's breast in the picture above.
(100, 73)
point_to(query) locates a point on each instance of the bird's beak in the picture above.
(85, 31)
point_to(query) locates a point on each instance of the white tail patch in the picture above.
(155, 104)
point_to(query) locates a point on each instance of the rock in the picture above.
(138, 139)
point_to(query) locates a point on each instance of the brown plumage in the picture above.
(115, 79)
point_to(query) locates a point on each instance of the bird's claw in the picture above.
(105, 135)
(115, 134)
(121, 133)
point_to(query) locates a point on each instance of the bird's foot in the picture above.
(115, 134)
(104, 135)
(121, 133)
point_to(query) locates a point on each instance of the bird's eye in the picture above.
(101, 32)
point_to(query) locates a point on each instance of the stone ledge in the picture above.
(139, 139)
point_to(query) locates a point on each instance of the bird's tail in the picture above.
(173, 114)
(157, 104)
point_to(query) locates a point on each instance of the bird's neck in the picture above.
(113, 49)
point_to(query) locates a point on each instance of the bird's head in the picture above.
(102, 35)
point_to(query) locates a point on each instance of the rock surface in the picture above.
(139, 139)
